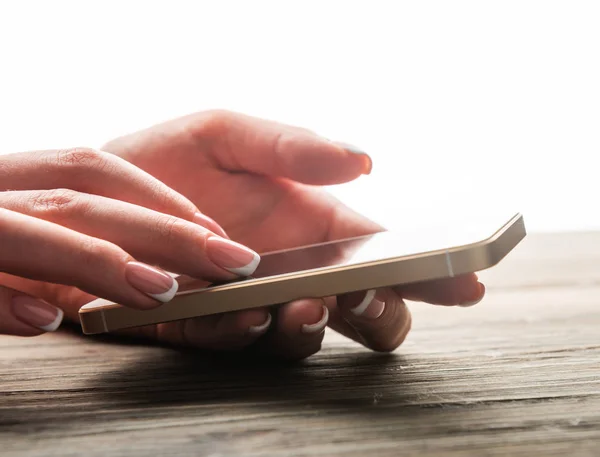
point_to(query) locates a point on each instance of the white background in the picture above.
(463, 105)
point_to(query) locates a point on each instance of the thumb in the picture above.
(242, 143)
(24, 315)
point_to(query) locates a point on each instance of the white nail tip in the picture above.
(350, 148)
(167, 296)
(319, 326)
(258, 329)
(364, 304)
(247, 270)
(53, 326)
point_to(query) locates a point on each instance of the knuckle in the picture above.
(55, 202)
(215, 123)
(81, 157)
(171, 228)
(90, 250)
(96, 252)
(211, 131)
(170, 201)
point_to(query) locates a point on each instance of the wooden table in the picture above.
(518, 374)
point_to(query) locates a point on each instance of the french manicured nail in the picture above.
(350, 147)
(317, 327)
(37, 313)
(151, 281)
(468, 303)
(232, 256)
(369, 307)
(368, 163)
(262, 328)
(210, 224)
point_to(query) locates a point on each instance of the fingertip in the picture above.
(253, 322)
(472, 295)
(378, 319)
(368, 164)
(359, 156)
(155, 285)
(319, 161)
(303, 316)
(55, 324)
(226, 332)
(231, 256)
(477, 299)
(260, 329)
(318, 326)
(363, 305)
(38, 316)
(298, 330)
(481, 289)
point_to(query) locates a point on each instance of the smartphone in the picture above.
(377, 260)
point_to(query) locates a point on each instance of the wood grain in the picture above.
(516, 375)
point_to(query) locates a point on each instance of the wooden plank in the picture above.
(516, 375)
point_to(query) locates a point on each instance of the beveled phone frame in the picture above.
(101, 316)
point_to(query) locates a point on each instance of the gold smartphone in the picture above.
(327, 269)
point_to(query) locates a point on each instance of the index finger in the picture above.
(241, 143)
(100, 173)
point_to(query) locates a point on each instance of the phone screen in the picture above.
(369, 248)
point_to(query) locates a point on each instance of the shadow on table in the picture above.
(331, 380)
(348, 387)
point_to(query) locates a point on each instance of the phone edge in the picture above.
(460, 260)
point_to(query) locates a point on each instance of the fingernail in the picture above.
(260, 329)
(317, 327)
(466, 304)
(369, 307)
(367, 162)
(37, 313)
(210, 224)
(151, 281)
(232, 256)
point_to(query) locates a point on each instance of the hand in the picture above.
(258, 180)
(81, 221)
